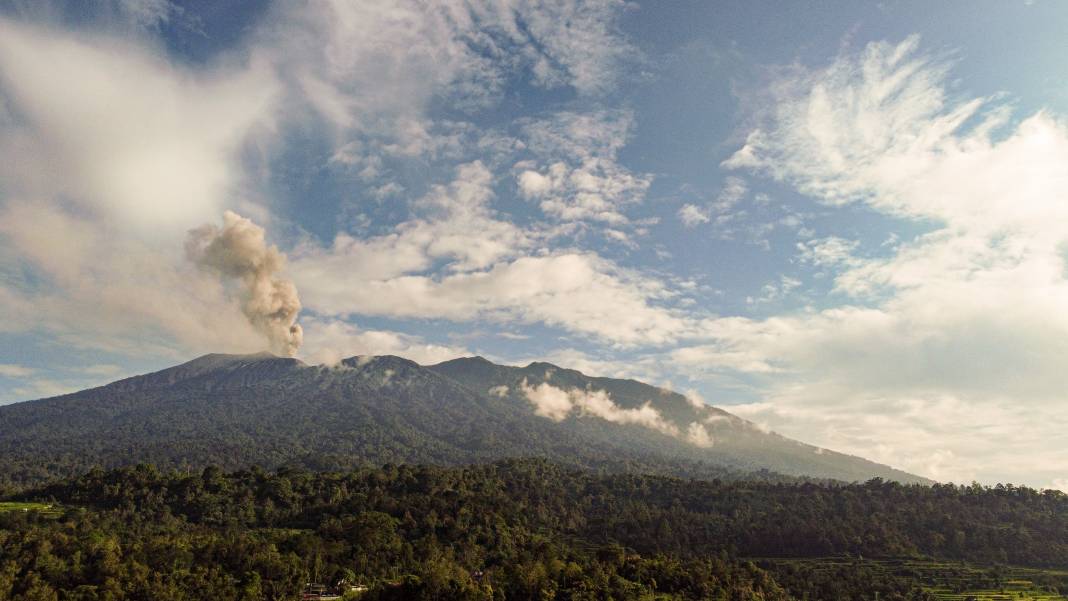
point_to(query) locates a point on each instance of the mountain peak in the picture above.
(378, 361)
(220, 359)
(213, 365)
(216, 361)
(544, 369)
(475, 361)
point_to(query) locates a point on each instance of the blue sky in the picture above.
(843, 221)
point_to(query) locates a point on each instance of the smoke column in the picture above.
(239, 251)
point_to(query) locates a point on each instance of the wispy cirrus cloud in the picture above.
(957, 326)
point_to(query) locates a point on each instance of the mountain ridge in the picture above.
(242, 410)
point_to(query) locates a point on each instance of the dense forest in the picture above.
(522, 529)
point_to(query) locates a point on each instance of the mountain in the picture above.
(241, 410)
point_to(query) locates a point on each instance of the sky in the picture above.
(844, 221)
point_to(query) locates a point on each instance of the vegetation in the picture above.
(44, 508)
(243, 411)
(523, 530)
(843, 578)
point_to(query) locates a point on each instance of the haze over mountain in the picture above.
(242, 410)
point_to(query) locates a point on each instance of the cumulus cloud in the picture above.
(492, 269)
(831, 251)
(692, 215)
(457, 225)
(239, 251)
(579, 292)
(952, 344)
(576, 176)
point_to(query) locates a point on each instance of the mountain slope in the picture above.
(737, 443)
(236, 411)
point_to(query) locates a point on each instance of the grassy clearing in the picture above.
(1013, 590)
(950, 581)
(44, 508)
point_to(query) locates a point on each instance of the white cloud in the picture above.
(148, 13)
(775, 291)
(579, 42)
(948, 360)
(580, 178)
(831, 251)
(490, 269)
(695, 399)
(692, 215)
(100, 191)
(10, 370)
(549, 401)
(735, 215)
(533, 184)
(374, 66)
(557, 404)
(147, 144)
(697, 435)
(458, 226)
(581, 293)
(734, 190)
(719, 211)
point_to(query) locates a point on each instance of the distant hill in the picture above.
(240, 410)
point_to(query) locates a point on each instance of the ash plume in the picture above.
(239, 251)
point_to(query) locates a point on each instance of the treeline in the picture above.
(652, 514)
(510, 530)
(19, 474)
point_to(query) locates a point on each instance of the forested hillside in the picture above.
(241, 411)
(515, 530)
